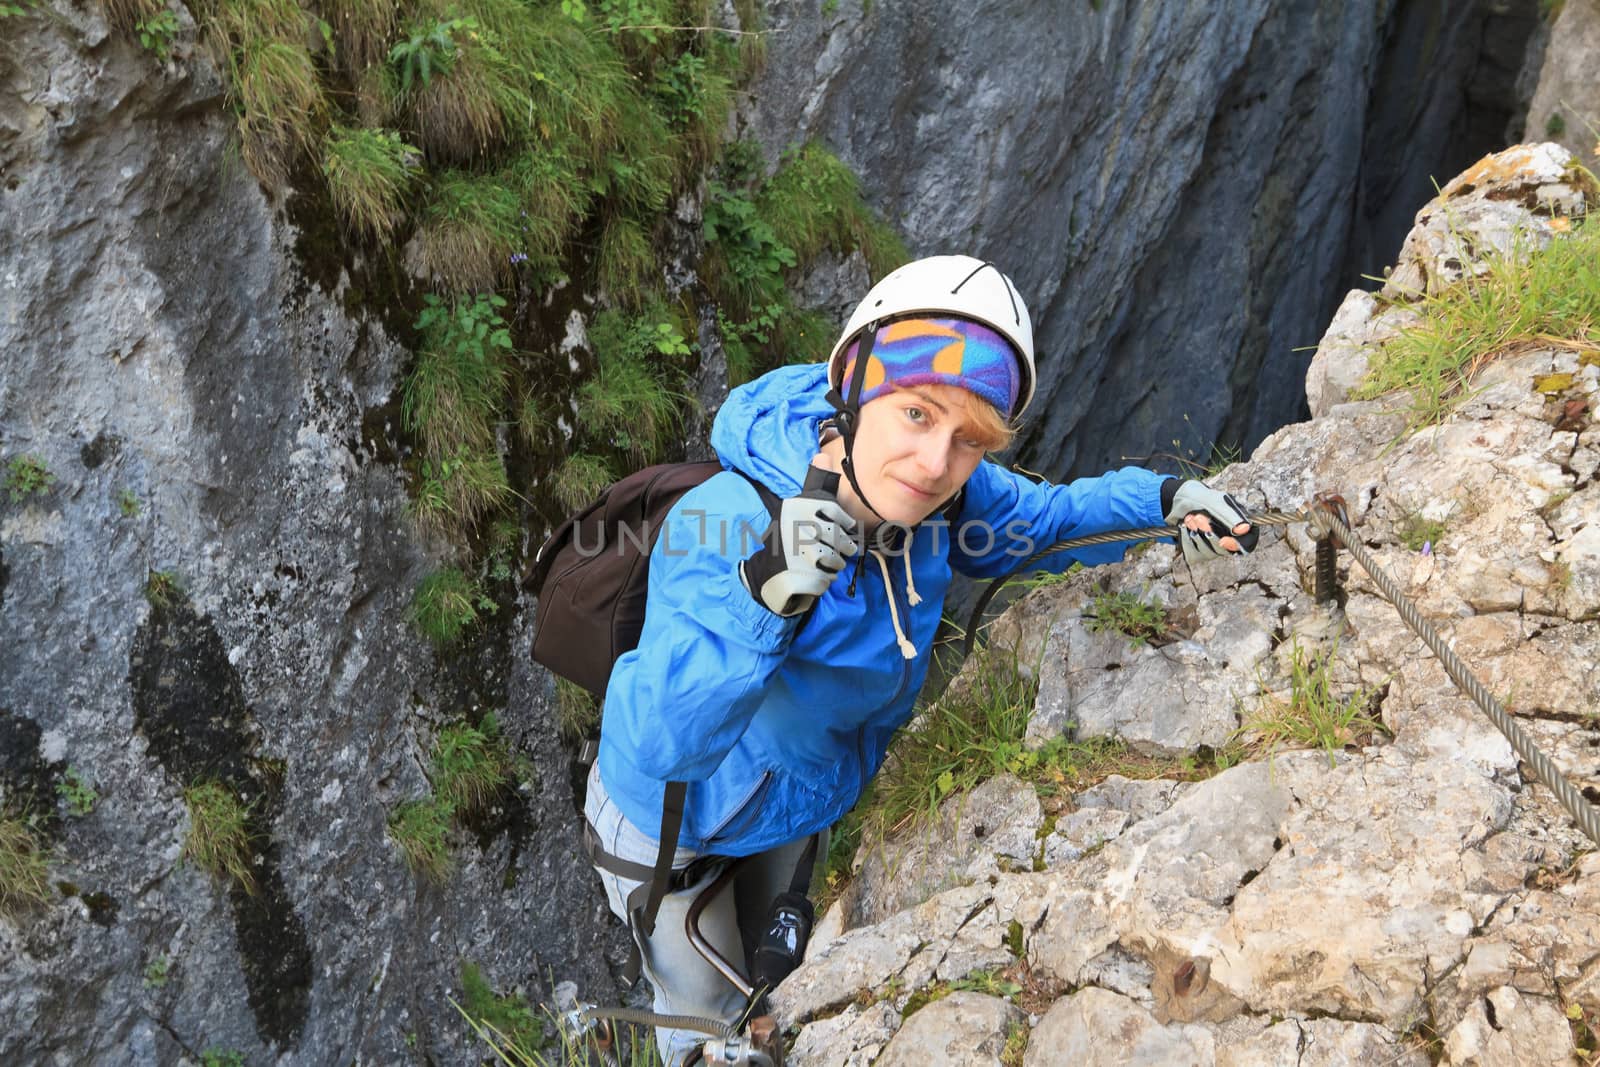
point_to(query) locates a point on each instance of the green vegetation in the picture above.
(579, 480)
(1555, 126)
(74, 789)
(627, 404)
(161, 588)
(1016, 1047)
(1547, 297)
(422, 830)
(1415, 530)
(756, 232)
(26, 476)
(220, 833)
(446, 604)
(217, 1056)
(1129, 614)
(1313, 715)
(547, 1044)
(468, 769)
(24, 862)
(577, 714)
(471, 767)
(127, 503)
(157, 971)
(157, 33)
(127, 14)
(272, 81)
(369, 173)
(510, 1016)
(452, 401)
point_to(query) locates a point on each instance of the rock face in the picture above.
(208, 423)
(1566, 102)
(1308, 906)
(1035, 136)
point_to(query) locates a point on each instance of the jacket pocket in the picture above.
(744, 814)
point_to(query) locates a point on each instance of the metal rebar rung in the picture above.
(1326, 572)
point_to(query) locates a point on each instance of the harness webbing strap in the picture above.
(672, 802)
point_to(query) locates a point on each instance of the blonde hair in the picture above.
(990, 428)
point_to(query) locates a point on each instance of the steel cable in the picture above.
(1543, 768)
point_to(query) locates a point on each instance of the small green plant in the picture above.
(422, 830)
(161, 588)
(74, 789)
(24, 872)
(272, 81)
(1416, 530)
(471, 767)
(156, 972)
(10, 10)
(369, 173)
(446, 604)
(1140, 621)
(990, 983)
(1313, 715)
(127, 503)
(510, 1015)
(217, 1056)
(1555, 126)
(1016, 1047)
(26, 476)
(157, 33)
(220, 834)
(428, 50)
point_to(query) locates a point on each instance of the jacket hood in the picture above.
(767, 429)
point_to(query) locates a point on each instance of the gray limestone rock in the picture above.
(1098, 188)
(963, 1029)
(216, 405)
(977, 834)
(1097, 1028)
(1566, 104)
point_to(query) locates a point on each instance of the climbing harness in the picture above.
(1331, 524)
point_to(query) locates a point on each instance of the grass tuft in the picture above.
(471, 767)
(219, 833)
(369, 173)
(577, 713)
(422, 830)
(579, 480)
(24, 868)
(272, 81)
(1128, 614)
(361, 31)
(626, 264)
(814, 204)
(1548, 296)
(469, 230)
(627, 403)
(510, 1015)
(446, 604)
(1313, 715)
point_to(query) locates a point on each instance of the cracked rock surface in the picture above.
(1333, 906)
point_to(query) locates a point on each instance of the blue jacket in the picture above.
(778, 724)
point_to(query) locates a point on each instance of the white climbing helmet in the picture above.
(946, 285)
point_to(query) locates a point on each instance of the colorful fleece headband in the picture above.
(956, 352)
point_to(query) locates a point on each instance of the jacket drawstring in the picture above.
(912, 596)
(907, 649)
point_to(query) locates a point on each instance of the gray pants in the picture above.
(683, 982)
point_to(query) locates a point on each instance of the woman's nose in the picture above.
(934, 456)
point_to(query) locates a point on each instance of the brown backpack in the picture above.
(592, 576)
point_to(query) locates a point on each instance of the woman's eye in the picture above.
(916, 414)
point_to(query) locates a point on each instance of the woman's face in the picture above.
(914, 449)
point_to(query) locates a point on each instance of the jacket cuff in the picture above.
(1169, 493)
(769, 628)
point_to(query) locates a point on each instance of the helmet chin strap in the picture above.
(847, 419)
